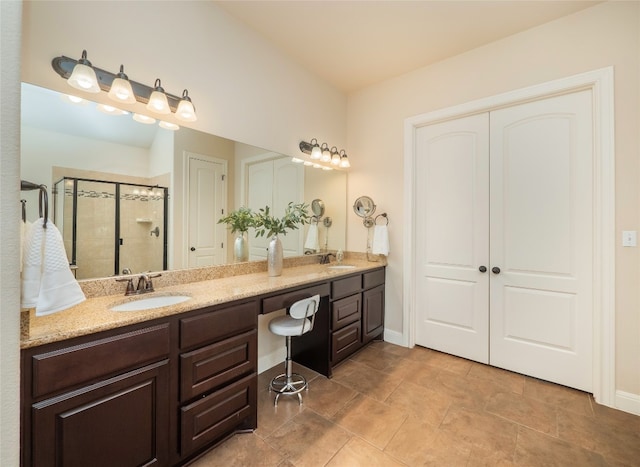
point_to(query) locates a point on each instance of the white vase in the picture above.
(241, 247)
(274, 257)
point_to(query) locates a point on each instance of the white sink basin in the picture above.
(341, 266)
(147, 303)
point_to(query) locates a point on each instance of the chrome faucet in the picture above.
(324, 259)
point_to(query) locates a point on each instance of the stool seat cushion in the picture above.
(288, 326)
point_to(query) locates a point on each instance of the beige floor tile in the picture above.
(271, 418)
(241, 450)
(360, 453)
(561, 396)
(326, 396)
(366, 380)
(419, 443)
(370, 419)
(527, 412)
(431, 406)
(512, 382)
(538, 449)
(377, 358)
(485, 432)
(308, 439)
(618, 442)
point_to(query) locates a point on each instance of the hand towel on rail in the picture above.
(380, 244)
(47, 281)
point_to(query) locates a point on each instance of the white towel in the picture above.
(380, 244)
(311, 242)
(47, 281)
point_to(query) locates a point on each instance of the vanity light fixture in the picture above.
(324, 155)
(121, 90)
(316, 152)
(344, 161)
(335, 156)
(158, 102)
(74, 99)
(83, 76)
(185, 111)
(144, 119)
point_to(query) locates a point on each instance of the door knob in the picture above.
(193, 248)
(495, 270)
(482, 269)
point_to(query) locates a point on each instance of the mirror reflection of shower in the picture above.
(106, 226)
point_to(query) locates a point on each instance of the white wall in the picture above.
(9, 233)
(604, 35)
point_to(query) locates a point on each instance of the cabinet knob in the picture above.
(193, 248)
(495, 270)
(482, 269)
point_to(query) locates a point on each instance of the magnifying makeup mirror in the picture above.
(365, 207)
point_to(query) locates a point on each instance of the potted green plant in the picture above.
(265, 223)
(239, 222)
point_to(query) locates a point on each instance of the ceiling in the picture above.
(353, 44)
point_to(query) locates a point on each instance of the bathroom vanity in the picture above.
(161, 386)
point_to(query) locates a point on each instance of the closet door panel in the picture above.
(452, 213)
(541, 239)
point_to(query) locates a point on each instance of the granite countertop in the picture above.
(94, 314)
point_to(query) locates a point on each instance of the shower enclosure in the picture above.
(111, 227)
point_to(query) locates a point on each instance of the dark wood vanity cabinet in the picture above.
(218, 375)
(356, 317)
(155, 393)
(100, 402)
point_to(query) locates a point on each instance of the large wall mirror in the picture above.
(170, 187)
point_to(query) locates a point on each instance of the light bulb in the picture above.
(121, 89)
(83, 76)
(168, 125)
(144, 119)
(186, 111)
(158, 102)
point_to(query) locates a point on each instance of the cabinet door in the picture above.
(372, 313)
(345, 311)
(345, 341)
(122, 421)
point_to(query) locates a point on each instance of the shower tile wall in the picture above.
(141, 211)
(96, 229)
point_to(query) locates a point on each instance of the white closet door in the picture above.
(541, 239)
(288, 186)
(452, 237)
(259, 195)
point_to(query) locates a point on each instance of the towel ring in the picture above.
(384, 214)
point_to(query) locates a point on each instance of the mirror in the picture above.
(317, 207)
(60, 139)
(365, 207)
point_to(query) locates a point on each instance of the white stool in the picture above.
(299, 321)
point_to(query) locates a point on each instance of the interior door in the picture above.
(541, 239)
(207, 200)
(452, 237)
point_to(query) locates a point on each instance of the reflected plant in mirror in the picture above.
(239, 222)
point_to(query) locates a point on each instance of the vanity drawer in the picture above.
(345, 341)
(347, 286)
(218, 414)
(346, 311)
(285, 300)
(80, 364)
(218, 324)
(212, 366)
(373, 278)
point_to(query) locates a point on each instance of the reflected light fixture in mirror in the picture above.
(144, 119)
(83, 76)
(121, 90)
(168, 125)
(158, 102)
(110, 110)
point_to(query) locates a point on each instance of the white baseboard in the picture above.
(270, 360)
(394, 337)
(628, 402)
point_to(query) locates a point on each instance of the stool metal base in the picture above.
(288, 386)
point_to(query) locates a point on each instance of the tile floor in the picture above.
(393, 406)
